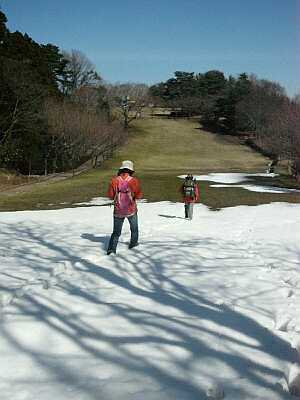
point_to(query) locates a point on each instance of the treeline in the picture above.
(254, 108)
(56, 112)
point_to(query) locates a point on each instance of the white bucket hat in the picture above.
(127, 165)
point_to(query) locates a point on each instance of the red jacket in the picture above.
(188, 199)
(134, 186)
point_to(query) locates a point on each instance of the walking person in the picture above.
(190, 192)
(124, 189)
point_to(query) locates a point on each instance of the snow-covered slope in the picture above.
(201, 309)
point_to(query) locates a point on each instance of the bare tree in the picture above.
(294, 128)
(136, 91)
(81, 71)
(258, 107)
(128, 100)
(275, 120)
(296, 98)
(77, 135)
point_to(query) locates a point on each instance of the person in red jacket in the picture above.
(124, 189)
(190, 192)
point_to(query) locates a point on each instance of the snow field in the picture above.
(202, 309)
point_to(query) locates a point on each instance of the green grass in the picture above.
(161, 150)
(166, 144)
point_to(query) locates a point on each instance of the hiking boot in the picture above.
(132, 245)
(110, 252)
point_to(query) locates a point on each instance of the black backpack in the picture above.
(189, 186)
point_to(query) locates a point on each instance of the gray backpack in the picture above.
(189, 186)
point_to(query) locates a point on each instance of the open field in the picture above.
(161, 149)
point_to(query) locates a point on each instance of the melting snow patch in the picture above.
(225, 180)
(224, 177)
(96, 201)
(260, 189)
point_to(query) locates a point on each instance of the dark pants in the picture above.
(118, 224)
(188, 210)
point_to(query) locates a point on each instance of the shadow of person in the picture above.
(97, 239)
(170, 216)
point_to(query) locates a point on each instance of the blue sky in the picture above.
(147, 41)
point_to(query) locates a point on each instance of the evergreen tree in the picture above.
(3, 29)
(29, 72)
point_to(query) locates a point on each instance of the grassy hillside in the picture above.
(161, 150)
(166, 144)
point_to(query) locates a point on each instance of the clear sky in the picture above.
(148, 40)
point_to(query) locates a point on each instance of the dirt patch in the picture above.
(22, 184)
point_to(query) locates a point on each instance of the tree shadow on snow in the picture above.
(159, 317)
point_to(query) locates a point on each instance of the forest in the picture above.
(56, 112)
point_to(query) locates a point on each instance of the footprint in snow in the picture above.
(215, 391)
(21, 291)
(281, 322)
(6, 299)
(286, 292)
(293, 380)
(296, 344)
